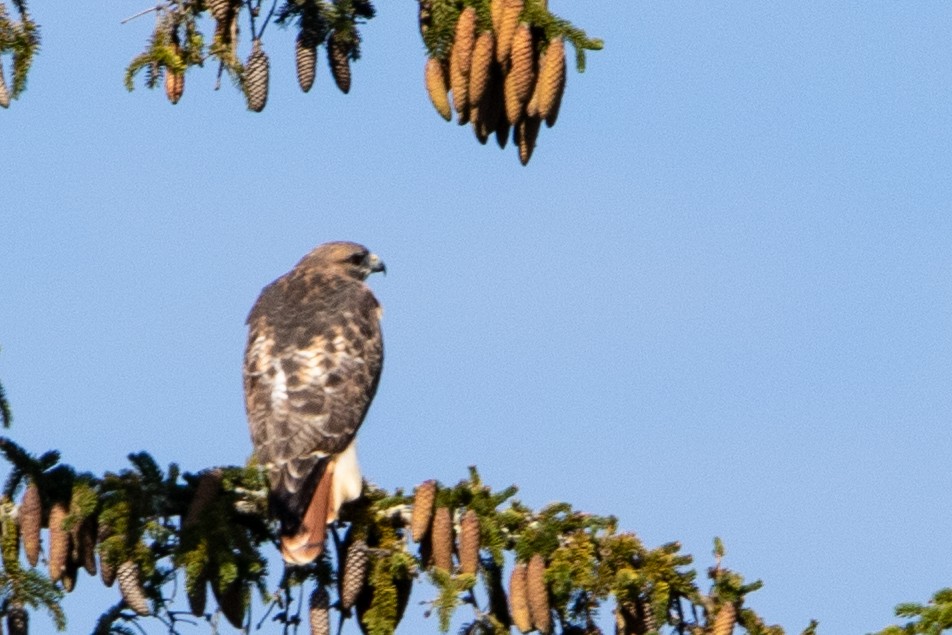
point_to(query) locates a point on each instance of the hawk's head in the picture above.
(350, 259)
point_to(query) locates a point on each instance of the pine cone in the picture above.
(131, 588)
(30, 519)
(338, 54)
(18, 620)
(502, 132)
(4, 92)
(198, 596)
(107, 570)
(518, 599)
(469, 543)
(219, 8)
(480, 70)
(538, 594)
(305, 59)
(206, 491)
(231, 601)
(69, 575)
(435, 76)
(496, 8)
(59, 541)
(551, 82)
(521, 77)
(725, 620)
(83, 544)
(442, 538)
(525, 134)
(174, 82)
(461, 57)
(355, 573)
(508, 21)
(255, 78)
(426, 492)
(318, 614)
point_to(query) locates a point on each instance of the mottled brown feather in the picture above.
(312, 365)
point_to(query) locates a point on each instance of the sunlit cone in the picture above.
(198, 596)
(338, 55)
(518, 600)
(255, 79)
(131, 588)
(318, 613)
(525, 134)
(442, 538)
(206, 491)
(422, 503)
(59, 541)
(305, 59)
(232, 602)
(551, 82)
(508, 22)
(18, 620)
(30, 519)
(355, 573)
(725, 620)
(4, 92)
(461, 56)
(521, 77)
(174, 82)
(480, 69)
(496, 8)
(435, 76)
(538, 594)
(469, 543)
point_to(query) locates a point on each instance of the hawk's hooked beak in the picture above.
(376, 264)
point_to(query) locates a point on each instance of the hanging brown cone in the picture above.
(508, 23)
(174, 82)
(435, 76)
(521, 77)
(338, 55)
(30, 519)
(496, 8)
(4, 92)
(354, 575)
(524, 135)
(219, 8)
(305, 60)
(18, 620)
(502, 132)
(551, 82)
(59, 541)
(198, 596)
(255, 78)
(518, 599)
(318, 613)
(232, 602)
(461, 56)
(480, 69)
(442, 539)
(537, 593)
(107, 570)
(469, 543)
(422, 512)
(724, 620)
(131, 588)
(69, 575)
(83, 544)
(207, 490)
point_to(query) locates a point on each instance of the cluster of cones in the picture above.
(507, 76)
(432, 526)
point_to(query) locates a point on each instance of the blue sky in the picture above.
(718, 301)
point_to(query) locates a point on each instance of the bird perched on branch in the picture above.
(311, 369)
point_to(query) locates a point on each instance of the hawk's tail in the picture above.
(303, 530)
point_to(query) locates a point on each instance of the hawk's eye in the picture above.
(357, 259)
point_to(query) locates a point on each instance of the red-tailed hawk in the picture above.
(311, 369)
